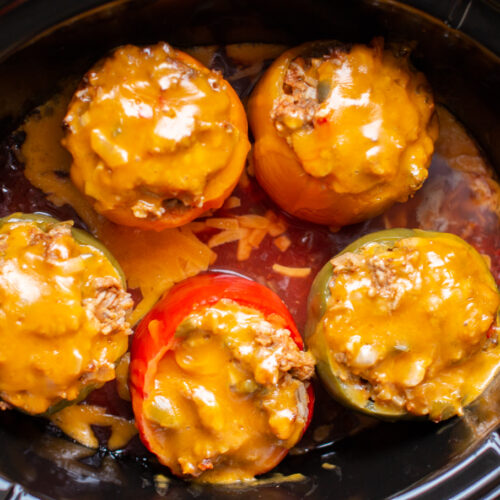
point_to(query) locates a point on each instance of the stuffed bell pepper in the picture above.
(63, 321)
(406, 323)
(342, 132)
(157, 138)
(219, 381)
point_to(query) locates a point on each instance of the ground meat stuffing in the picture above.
(55, 249)
(280, 347)
(384, 281)
(303, 91)
(110, 304)
(298, 103)
(262, 345)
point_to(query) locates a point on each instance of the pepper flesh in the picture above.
(406, 323)
(341, 133)
(157, 139)
(64, 309)
(226, 396)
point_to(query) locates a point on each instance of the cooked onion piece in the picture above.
(406, 323)
(63, 316)
(342, 132)
(156, 137)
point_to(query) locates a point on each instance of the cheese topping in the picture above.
(357, 117)
(152, 132)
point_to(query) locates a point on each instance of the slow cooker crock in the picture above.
(43, 41)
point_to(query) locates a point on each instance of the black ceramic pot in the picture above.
(42, 41)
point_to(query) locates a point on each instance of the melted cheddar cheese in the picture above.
(156, 137)
(77, 421)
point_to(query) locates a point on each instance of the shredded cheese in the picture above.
(244, 250)
(293, 272)
(232, 202)
(253, 221)
(196, 226)
(226, 236)
(256, 236)
(283, 243)
(277, 224)
(248, 230)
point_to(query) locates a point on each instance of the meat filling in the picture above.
(304, 90)
(110, 304)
